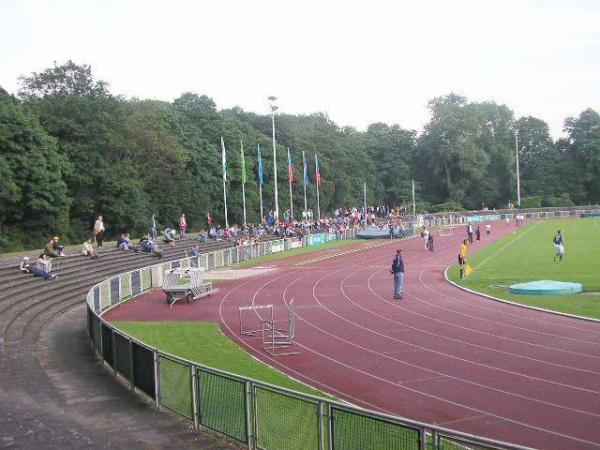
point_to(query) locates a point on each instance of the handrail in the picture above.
(267, 247)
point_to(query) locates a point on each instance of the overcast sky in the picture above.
(359, 61)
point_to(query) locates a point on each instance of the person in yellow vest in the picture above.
(462, 258)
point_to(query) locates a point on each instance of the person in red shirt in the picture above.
(182, 227)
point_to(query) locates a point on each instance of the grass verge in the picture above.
(203, 342)
(294, 252)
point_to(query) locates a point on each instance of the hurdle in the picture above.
(275, 340)
(446, 230)
(253, 309)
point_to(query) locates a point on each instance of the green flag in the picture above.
(243, 163)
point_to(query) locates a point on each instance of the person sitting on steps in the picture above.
(25, 267)
(43, 268)
(87, 249)
(53, 249)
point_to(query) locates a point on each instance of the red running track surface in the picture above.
(440, 355)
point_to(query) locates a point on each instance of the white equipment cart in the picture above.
(185, 284)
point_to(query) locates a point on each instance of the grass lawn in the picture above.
(203, 342)
(294, 252)
(527, 256)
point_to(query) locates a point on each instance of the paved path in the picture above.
(54, 393)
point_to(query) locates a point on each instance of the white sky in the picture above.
(359, 61)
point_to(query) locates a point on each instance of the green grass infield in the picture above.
(205, 344)
(527, 255)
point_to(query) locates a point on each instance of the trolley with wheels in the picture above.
(185, 284)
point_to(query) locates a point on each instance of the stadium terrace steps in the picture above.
(28, 306)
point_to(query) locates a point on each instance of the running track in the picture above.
(440, 355)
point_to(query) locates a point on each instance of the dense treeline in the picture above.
(70, 150)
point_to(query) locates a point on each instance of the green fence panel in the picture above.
(445, 442)
(123, 356)
(143, 369)
(96, 333)
(104, 295)
(146, 278)
(222, 405)
(285, 422)
(353, 430)
(176, 387)
(184, 263)
(90, 318)
(125, 285)
(107, 345)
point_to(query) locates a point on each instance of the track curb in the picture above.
(535, 308)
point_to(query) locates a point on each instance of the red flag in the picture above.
(318, 172)
(291, 174)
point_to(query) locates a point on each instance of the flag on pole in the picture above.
(223, 159)
(261, 169)
(318, 172)
(243, 164)
(305, 168)
(291, 174)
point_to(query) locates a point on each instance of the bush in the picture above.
(563, 200)
(535, 201)
(421, 207)
(447, 207)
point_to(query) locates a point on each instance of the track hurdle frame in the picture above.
(254, 308)
(276, 340)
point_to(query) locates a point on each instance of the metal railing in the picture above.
(255, 414)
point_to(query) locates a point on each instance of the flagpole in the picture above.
(224, 161)
(260, 183)
(304, 175)
(414, 207)
(290, 183)
(243, 180)
(365, 197)
(318, 177)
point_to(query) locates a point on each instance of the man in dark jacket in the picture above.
(398, 272)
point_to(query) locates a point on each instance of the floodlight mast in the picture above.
(274, 108)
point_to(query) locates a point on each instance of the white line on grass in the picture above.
(504, 246)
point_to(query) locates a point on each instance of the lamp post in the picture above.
(273, 109)
(518, 175)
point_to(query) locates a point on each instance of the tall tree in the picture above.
(33, 195)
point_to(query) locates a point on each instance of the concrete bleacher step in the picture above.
(28, 305)
(12, 264)
(19, 293)
(69, 265)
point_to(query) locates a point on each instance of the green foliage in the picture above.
(534, 201)
(70, 151)
(563, 200)
(447, 207)
(33, 194)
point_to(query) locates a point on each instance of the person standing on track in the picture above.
(398, 272)
(462, 258)
(559, 246)
(470, 233)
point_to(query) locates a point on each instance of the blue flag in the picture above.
(261, 169)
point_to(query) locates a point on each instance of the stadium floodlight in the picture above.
(273, 109)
